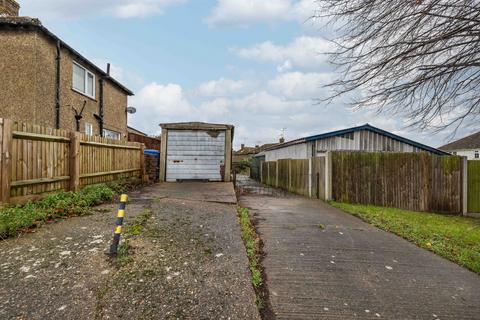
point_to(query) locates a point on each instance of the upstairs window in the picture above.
(477, 155)
(83, 81)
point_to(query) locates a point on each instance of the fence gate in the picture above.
(473, 186)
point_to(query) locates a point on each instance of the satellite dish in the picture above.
(131, 110)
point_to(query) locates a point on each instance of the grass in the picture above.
(14, 219)
(132, 229)
(252, 245)
(455, 238)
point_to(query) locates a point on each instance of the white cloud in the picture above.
(247, 12)
(298, 85)
(303, 52)
(67, 9)
(215, 108)
(158, 103)
(223, 87)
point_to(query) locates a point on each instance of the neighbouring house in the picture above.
(467, 147)
(245, 153)
(46, 82)
(362, 138)
(196, 151)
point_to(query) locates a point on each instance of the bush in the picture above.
(243, 165)
(56, 205)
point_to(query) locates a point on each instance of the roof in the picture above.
(469, 142)
(196, 126)
(254, 150)
(136, 131)
(360, 128)
(36, 24)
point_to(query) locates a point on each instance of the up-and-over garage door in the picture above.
(195, 155)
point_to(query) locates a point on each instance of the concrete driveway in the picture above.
(351, 270)
(185, 261)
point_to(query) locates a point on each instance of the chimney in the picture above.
(9, 8)
(282, 140)
(242, 146)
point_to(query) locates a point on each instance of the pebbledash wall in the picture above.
(28, 78)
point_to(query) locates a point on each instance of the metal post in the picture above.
(119, 223)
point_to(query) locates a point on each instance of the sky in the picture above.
(259, 65)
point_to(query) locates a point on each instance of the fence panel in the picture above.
(413, 181)
(473, 186)
(284, 174)
(104, 160)
(318, 178)
(299, 176)
(39, 159)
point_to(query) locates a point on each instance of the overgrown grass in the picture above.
(252, 244)
(14, 219)
(456, 238)
(132, 229)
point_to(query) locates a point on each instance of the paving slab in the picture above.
(322, 263)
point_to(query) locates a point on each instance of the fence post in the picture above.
(74, 161)
(464, 181)
(6, 159)
(328, 176)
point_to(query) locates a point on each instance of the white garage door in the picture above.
(195, 155)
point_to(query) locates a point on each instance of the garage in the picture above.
(196, 151)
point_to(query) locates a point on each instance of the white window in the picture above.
(454, 153)
(111, 134)
(83, 80)
(477, 155)
(88, 129)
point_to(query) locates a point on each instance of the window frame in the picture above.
(111, 131)
(476, 154)
(87, 72)
(89, 125)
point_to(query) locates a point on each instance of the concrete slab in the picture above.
(350, 269)
(220, 192)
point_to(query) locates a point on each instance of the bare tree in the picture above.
(417, 58)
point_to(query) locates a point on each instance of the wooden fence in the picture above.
(301, 176)
(412, 181)
(36, 160)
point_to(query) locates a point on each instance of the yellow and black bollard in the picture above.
(118, 227)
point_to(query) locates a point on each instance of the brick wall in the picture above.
(152, 167)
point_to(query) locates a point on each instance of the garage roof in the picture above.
(196, 126)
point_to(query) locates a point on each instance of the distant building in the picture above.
(467, 147)
(362, 138)
(46, 82)
(245, 153)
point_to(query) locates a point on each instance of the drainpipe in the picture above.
(57, 88)
(101, 98)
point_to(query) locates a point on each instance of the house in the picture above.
(46, 82)
(245, 153)
(196, 151)
(467, 147)
(362, 138)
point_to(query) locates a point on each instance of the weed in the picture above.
(252, 245)
(56, 205)
(321, 226)
(132, 229)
